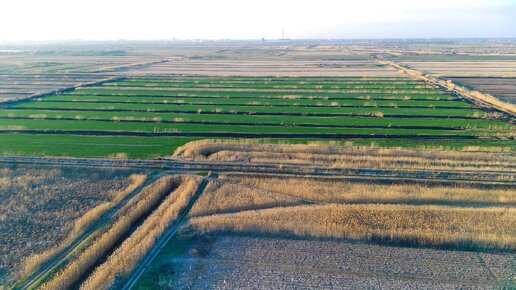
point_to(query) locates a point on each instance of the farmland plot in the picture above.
(239, 262)
(280, 108)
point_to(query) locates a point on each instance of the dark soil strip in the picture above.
(246, 113)
(252, 105)
(241, 123)
(238, 135)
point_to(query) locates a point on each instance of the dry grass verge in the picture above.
(137, 208)
(126, 258)
(418, 225)
(330, 190)
(344, 156)
(223, 197)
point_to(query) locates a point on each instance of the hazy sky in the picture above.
(191, 19)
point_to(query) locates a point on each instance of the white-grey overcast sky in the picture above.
(39, 20)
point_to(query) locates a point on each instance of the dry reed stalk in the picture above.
(419, 225)
(126, 257)
(330, 190)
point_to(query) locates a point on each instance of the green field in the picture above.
(146, 118)
(123, 91)
(266, 102)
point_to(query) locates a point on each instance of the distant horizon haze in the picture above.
(58, 20)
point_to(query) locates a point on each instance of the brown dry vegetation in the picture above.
(41, 206)
(344, 156)
(87, 219)
(223, 197)
(332, 190)
(127, 216)
(420, 225)
(126, 257)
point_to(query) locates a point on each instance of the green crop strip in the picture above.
(277, 95)
(151, 147)
(256, 119)
(285, 110)
(282, 102)
(86, 125)
(264, 109)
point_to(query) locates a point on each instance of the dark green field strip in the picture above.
(88, 146)
(270, 102)
(127, 127)
(324, 111)
(151, 147)
(271, 90)
(260, 95)
(240, 135)
(236, 123)
(255, 119)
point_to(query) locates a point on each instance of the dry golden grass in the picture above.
(137, 208)
(223, 197)
(40, 205)
(344, 156)
(418, 225)
(32, 263)
(331, 190)
(126, 257)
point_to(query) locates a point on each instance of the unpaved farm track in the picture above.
(492, 177)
